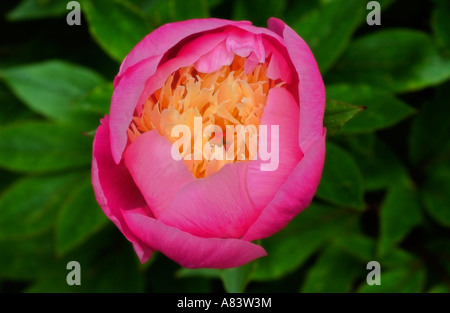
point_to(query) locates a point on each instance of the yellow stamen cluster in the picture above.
(225, 97)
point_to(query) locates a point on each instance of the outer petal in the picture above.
(124, 100)
(165, 37)
(294, 196)
(114, 188)
(281, 110)
(156, 173)
(311, 87)
(191, 251)
(216, 206)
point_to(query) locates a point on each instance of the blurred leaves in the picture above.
(414, 63)
(342, 181)
(335, 276)
(79, 218)
(30, 205)
(159, 12)
(41, 146)
(408, 278)
(117, 25)
(242, 9)
(236, 279)
(440, 24)
(381, 108)
(337, 114)
(380, 166)
(328, 40)
(53, 88)
(384, 194)
(436, 192)
(35, 9)
(399, 213)
(292, 246)
(430, 129)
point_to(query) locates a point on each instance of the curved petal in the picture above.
(165, 37)
(294, 196)
(311, 87)
(216, 206)
(124, 101)
(114, 188)
(281, 110)
(191, 251)
(158, 176)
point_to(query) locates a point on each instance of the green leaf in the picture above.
(116, 272)
(381, 167)
(79, 218)
(24, 258)
(441, 288)
(342, 181)
(364, 249)
(30, 205)
(98, 100)
(441, 28)
(297, 10)
(40, 146)
(36, 9)
(399, 213)
(11, 109)
(430, 128)
(334, 271)
(165, 11)
(116, 25)
(435, 192)
(236, 279)
(362, 144)
(245, 10)
(199, 272)
(106, 263)
(438, 249)
(337, 114)
(305, 234)
(397, 60)
(52, 88)
(406, 279)
(326, 33)
(381, 108)
(400, 271)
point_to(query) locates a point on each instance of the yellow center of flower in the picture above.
(225, 97)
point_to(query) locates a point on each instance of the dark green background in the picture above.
(385, 190)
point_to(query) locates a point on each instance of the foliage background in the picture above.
(385, 190)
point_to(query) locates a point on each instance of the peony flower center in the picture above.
(228, 96)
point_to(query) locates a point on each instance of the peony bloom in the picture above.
(210, 74)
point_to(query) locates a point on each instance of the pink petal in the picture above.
(191, 251)
(278, 66)
(124, 101)
(215, 59)
(158, 176)
(311, 87)
(114, 188)
(243, 43)
(216, 206)
(295, 195)
(250, 63)
(165, 37)
(282, 110)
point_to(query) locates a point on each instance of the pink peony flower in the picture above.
(205, 212)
